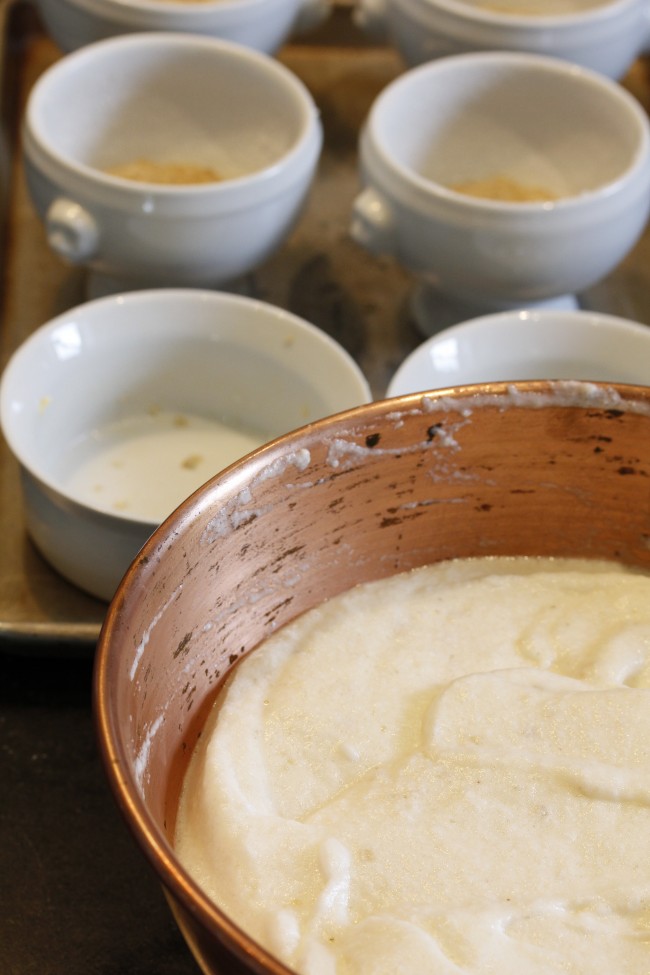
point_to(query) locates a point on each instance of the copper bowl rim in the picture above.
(176, 881)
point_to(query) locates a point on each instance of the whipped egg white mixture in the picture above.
(446, 772)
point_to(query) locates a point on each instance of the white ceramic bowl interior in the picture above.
(169, 99)
(120, 408)
(603, 35)
(521, 345)
(261, 24)
(537, 122)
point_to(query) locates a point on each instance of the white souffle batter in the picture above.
(441, 773)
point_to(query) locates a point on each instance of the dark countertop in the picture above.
(77, 897)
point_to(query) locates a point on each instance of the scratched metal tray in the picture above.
(319, 273)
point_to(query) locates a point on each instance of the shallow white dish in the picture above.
(116, 412)
(516, 345)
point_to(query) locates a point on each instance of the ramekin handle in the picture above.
(372, 223)
(71, 231)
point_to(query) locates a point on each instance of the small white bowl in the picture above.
(169, 99)
(260, 24)
(532, 122)
(520, 345)
(603, 35)
(120, 408)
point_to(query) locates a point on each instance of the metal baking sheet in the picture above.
(319, 274)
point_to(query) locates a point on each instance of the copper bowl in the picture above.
(535, 468)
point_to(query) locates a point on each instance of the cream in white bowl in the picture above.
(529, 344)
(120, 408)
(567, 135)
(603, 35)
(169, 100)
(260, 24)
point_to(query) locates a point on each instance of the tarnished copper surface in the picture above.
(537, 469)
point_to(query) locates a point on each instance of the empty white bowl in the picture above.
(532, 124)
(120, 408)
(519, 345)
(260, 24)
(603, 35)
(239, 117)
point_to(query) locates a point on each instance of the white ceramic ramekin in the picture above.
(534, 120)
(261, 24)
(105, 374)
(169, 98)
(606, 35)
(519, 345)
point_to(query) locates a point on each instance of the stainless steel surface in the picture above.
(320, 274)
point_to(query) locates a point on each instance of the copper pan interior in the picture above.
(520, 469)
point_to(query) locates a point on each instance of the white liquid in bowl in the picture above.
(145, 466)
